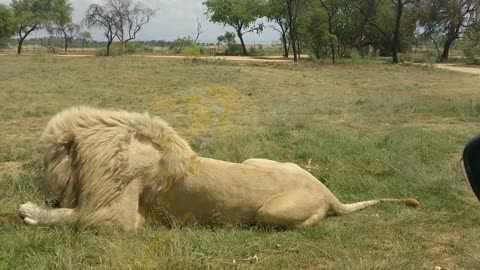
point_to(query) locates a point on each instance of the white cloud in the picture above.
(173, 19)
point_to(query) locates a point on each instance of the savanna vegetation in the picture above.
(326, 29)
(368, 130)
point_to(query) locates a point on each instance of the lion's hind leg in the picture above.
(298, 208)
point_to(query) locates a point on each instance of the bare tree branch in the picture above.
(200, 30)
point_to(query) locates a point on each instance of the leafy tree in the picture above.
(470, 45)
(386, 17)
(277, 13)
(7, 23)
(101, 17)
(239, 14)
(31, 15)
(85, 36)
(314, 29)
(62, 23)
(332, 9)
(448, 18)
(294, 9)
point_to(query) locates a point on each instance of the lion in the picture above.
(117, 168)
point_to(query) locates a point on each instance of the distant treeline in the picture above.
(79, 43)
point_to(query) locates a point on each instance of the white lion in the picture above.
(121, 168)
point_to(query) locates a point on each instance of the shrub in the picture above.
(132, 48)
(103, 51)
(234, 49)
(470, 46)
(190, 51)
(181, 42)
(256, 51)
(355, 56)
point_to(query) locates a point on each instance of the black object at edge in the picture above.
(471, 163)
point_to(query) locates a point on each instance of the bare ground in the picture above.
(464, 69)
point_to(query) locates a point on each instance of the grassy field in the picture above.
(371, 131)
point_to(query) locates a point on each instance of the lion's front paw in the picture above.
(31, 213)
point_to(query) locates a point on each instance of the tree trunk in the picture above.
(108, 47)
(285, 45)
(330, 30)
(298, 45)
(332, 47)
(66, 41)
(396, 36)
(395, 55)
(20, 43)
(83, 44)
(446, 49)
(22, 38)
(291, 25)
(244, 48)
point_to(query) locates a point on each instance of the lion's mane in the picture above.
(95, 153)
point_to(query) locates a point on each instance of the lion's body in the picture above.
(120, 168)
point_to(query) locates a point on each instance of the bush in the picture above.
(234, 49)
(432, 57)
(103, 51)
(132, 48)
(256, 51)
(190, 51)
(355, 56)
(470, 46)
(180, 43)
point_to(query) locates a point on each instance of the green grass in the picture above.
(371, 131)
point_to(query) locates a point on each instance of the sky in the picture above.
(175, 18)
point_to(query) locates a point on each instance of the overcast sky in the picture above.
(174, 18)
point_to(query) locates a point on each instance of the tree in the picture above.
(470, 45)
(293, 14)
(449, 18)
(121, 19)
(375, 10)
(7, 23)
(99, 16)
(200, 31)
(31, 15)
(239, 14)
(332, 8)
(277, 13)
(85, 36)
(313, 27)
(129, 18)
(62, 24)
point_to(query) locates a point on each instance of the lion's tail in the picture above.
(342, 209)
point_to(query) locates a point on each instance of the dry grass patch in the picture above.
(10, 167)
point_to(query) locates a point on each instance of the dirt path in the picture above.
(179, 57)
(451, 67)
(228, 58)
(464, 69)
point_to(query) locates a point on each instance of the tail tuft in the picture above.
(412, 203)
